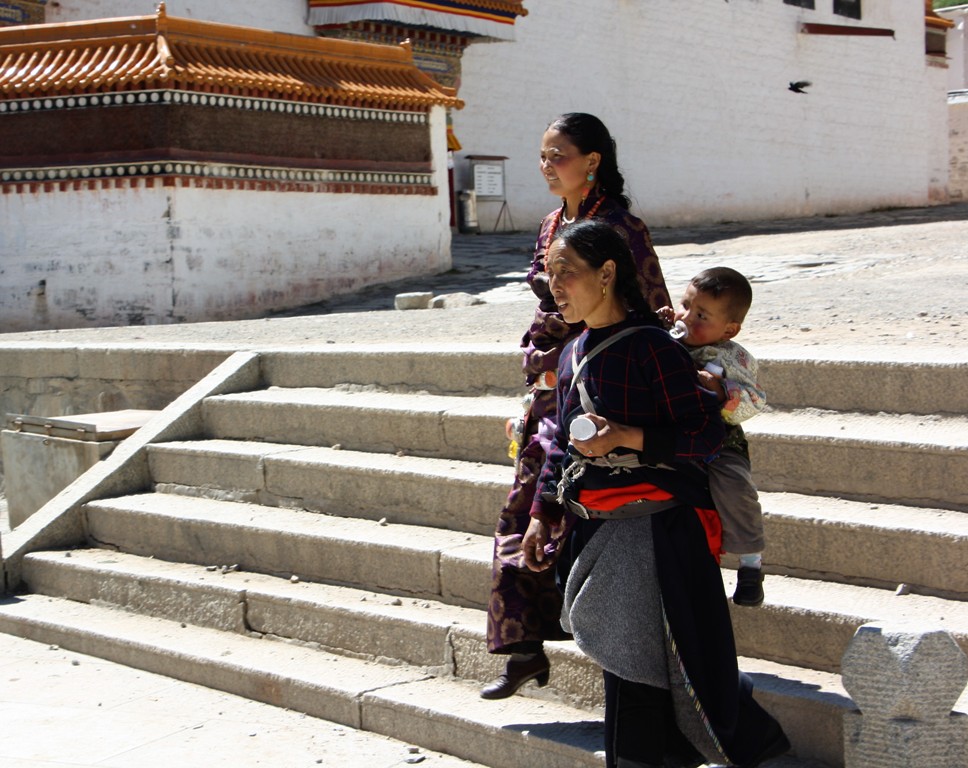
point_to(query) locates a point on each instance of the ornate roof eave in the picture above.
(492, 19)
(163, 52)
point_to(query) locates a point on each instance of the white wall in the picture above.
(955, 47)
(696, 96)
(132, 256)
(278, 15)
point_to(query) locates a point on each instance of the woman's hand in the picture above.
(611, 435)
(533, 546)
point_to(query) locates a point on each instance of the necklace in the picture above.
(560, 217)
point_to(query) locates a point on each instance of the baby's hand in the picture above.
(667, 315)
(713, 383)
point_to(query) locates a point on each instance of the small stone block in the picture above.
(454, 300)
(415, 300)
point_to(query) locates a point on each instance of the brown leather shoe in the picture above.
(516, 674)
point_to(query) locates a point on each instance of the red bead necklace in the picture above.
(561, 212)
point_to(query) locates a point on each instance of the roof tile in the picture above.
(157, 52)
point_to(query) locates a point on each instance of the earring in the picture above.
(604, 292)
(590, 177)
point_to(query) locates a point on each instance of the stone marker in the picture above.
(905, 682)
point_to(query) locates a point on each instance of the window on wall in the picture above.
(801, 3)
(848, 8)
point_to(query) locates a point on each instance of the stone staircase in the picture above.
(323, 542)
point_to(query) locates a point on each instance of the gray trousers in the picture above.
(734, 493)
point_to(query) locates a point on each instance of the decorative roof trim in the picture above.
(162, 52)
(486, 19)
(212, 170)
(194, 98)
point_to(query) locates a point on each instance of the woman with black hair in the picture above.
(643, 593)
(580, 165)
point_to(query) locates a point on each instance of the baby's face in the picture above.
(706, 317)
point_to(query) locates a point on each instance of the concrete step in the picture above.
(807, 536)
(440, 493)
(906, 458)
(901, 384)
(874, 544)
(805, 622)
(898, 458)
(809, 623)
(466, 369)
(444, 640)
(367, 419)
(396, 559)
(399, 701)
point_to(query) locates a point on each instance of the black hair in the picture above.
(724, 281)
(596, 242)
(589, 134)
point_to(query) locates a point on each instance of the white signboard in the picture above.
(489, 180)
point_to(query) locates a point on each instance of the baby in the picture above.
(711, 312)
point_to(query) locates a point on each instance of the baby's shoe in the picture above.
(749, 586)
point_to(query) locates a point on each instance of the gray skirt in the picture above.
(613, 606)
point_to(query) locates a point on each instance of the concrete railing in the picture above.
(58, 523)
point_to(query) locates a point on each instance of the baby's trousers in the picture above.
(734, 493)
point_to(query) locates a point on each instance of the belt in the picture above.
(639, 508)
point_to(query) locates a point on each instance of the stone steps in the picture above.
(348, 508)
(805, 622)
(399, 701)
(435, 563)
(441, 493)
(453, 427)
(438, 638)
(833, 539)
(907, 458)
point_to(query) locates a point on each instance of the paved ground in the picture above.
(849, 285)
(891, 283)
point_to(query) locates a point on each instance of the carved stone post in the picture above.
(905, 682)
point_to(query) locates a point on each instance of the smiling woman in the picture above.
(578, 162)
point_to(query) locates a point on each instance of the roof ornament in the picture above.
(160, 10)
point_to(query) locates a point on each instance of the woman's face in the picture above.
(577, 286)
(563, 166)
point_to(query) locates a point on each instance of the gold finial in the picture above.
(162, 12)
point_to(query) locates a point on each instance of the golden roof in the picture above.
(163, 52)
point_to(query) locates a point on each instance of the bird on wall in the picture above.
(799, 86)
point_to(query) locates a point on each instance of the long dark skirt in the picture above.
(709, 710)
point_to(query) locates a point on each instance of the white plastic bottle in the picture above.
(583, 428)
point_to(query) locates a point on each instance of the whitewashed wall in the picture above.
(135, 256)
(696, 96)
(277, 15)
(958, 125)
(956, 49)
